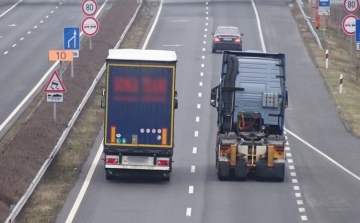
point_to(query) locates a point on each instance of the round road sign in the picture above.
(349, 24)
(89, 7)
(90, 26)
(351, 6)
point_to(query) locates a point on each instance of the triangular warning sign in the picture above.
(54, 85)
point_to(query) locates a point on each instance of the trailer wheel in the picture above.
(109, 177)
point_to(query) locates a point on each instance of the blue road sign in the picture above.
(72, 38)
(324, 3)
(357, 30)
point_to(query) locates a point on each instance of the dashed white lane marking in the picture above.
(22, 38)
(203, 57)
(6, 52)
(191, 189)
(207, 8)
(207, 13)
(297, 194)
(304, 218)
(29, 32)
(301, 209)
(35, 27)
(291, 167)
(206, 2)
(41, 21)
(198, 106)
(192, 170)
(14, 45)
(204, 42)
(201, 74)
(206, 24)
(188, 212)
(299, 202)
(295, 181)
(203, 49)
(194, 149)
(290, 161)
(202, 65)
(199, 94)
(46, 16)
(207, 18)
(197, 119)
(288, 154)
(287, 148)
(52, 12)
(196, 134)
(205, 30)
(296, 188)
(293, 174)
(205, 36)
(200, 84)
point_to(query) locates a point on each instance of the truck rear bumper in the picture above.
(137, 167)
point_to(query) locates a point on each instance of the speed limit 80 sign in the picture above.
(89, 7)
(351, 6)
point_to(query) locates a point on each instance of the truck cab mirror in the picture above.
(241, 34)
(213, 96)
(102, 103)
(176, 104)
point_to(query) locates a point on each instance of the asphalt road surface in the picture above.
(321, 182)
(28, 30)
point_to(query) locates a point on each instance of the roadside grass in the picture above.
(338, 45)
(52, 191)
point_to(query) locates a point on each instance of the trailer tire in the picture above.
(109, 177)
(223, 170)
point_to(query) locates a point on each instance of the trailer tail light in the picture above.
(163, 162)
(238, 40)
(112, 161)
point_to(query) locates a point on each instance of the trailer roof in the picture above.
(145, 55)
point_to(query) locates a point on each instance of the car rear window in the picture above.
(227, 31)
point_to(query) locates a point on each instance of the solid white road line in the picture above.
(4, 13)
(324, 155)
(85, 185)
(259, 27)
(153, 26)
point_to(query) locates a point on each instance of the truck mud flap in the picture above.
(240, 171)
(273, 174)
(223, 170)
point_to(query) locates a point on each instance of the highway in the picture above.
(322, 175)
(29, 29)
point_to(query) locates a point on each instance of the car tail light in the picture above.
(216, 39)
(163, 162)
(111, 160)
(238, 40)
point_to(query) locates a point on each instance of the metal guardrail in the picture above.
(16, 210)
(307, 19)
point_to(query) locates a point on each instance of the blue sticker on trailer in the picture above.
(140, 102)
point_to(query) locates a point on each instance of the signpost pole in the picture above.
(72, 68)
(61, 70)
(90, 43)
(54, 111)
(350, 56)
